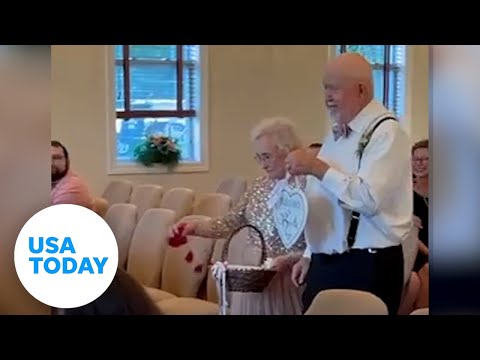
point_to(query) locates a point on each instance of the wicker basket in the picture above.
(249, 279)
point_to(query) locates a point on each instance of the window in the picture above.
(389, 72)
(158, 91)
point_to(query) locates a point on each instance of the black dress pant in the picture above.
(378, 271)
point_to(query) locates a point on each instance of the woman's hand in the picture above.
(183, 229)
(422, 248)
(282, 263)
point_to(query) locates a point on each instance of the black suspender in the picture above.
(352, 231)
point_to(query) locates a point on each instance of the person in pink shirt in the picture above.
(67, 186)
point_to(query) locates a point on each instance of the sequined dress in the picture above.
(281, 297)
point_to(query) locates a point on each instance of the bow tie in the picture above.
(340, 130)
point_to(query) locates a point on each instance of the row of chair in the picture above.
(171, 274)
(125, 191)
(178, 278)
(140, 217)
(183, 201)
(350, 302)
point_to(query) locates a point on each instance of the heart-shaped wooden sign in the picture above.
(290, 215)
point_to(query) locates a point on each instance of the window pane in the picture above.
(374, 53)
(190, 88)
(191, 73)
(153, 86)
(118, 52)
(378, 77)
(119, 88)
(191, 53)
(397, 79)
(398, 55)
(154, 52)
(132, 132)
(397, 91)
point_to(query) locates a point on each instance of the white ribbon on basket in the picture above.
(219, 272)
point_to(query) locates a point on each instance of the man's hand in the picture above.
(300, 270)
(302, 162)
(417, 222)
(299, 162)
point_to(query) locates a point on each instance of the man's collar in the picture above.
(369, 113)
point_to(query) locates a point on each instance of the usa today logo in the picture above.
(66, 256)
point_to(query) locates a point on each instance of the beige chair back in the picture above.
(118, 192)
(149, 243)
(212, 205)
(179, 200)
(122, 219)
(100, 206)
(346, 302)
(146, 197)
(191, 218)
(234, 186)
(185, 267)
(423, 311)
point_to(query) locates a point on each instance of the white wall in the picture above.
(246, 83)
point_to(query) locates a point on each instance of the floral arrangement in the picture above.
(366, 137)
(362, 144)
(158, 149)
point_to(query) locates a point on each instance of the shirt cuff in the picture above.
(335, 181)
(307, 254)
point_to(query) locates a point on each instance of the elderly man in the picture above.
(67, 186)
(359, 192)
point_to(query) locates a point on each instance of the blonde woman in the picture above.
(272, 139)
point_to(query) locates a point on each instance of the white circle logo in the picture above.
(66, 256)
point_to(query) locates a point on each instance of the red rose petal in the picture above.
(198, 268)
(189, 257)
(177, 241)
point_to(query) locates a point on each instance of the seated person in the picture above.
(420, 167)
(67, 186)
(124, 296)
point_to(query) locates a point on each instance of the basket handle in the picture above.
(262, 240)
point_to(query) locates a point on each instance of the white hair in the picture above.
(281, 129)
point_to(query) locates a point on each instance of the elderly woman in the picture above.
(272, 140)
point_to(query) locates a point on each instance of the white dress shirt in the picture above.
(381, 190)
